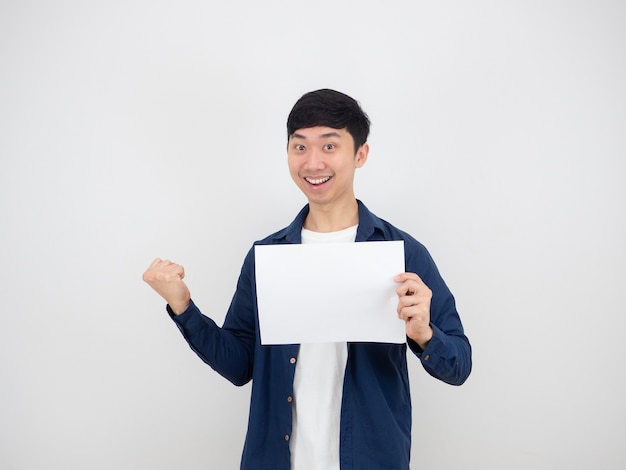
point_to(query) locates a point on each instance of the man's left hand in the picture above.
(414, 307)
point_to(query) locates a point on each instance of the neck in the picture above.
(332, 218)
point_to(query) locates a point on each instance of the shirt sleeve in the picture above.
(448, 355)
(229, 349)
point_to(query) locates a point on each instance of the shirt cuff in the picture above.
(184, 316)
(435, 349)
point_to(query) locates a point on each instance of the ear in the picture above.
(361, 155)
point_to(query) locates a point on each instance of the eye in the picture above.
(329, 147)
(299, 147)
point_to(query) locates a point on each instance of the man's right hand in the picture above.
(166, 278)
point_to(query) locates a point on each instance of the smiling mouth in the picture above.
(317, 181)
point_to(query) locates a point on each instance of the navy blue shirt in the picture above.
(376, 404)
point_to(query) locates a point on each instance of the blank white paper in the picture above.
(329, 292)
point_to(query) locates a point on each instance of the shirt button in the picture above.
(289, 399)
(292, 360)
(426, 357)
(286, 437)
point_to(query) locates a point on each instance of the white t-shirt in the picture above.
(318, 388)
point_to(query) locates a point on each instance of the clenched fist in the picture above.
(166, 278)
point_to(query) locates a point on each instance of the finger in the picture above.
(403, 313)
(412, 280)
(409, 314)
(155, 262)
(148, 275)
(181, 271)
(407, 306)
(405, 301)
(414, 315)
(408, 287)
(402, 277)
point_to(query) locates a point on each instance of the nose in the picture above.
(315, 160)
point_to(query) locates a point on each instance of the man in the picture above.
(335, 405)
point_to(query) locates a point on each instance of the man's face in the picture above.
(322, 162)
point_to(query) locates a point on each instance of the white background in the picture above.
(131, 130)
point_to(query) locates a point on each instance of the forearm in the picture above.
(228, 353)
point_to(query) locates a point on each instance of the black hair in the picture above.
(329, 108)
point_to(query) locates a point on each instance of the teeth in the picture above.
(318, 180)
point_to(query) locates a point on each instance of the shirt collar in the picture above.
(368, 223)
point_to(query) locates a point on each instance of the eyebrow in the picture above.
(327, 135)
